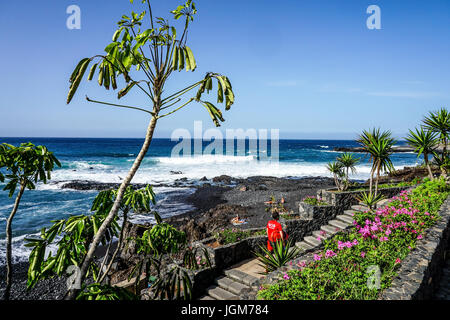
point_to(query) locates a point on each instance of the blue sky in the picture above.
(309, 68)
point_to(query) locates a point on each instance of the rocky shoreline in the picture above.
(217, 205)
(217, 201)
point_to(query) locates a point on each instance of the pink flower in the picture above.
(397, 261)
(317, 257)
(286, 276)
(330, 253)
(363, 254)
(419, 237)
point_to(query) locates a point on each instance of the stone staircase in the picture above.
(235, 284)
(341, 222)
(232, 285)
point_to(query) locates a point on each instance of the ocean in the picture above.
(108, 160)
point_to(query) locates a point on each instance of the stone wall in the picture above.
(311, 218)
(228, 255)
(420, 272)
(343, 200)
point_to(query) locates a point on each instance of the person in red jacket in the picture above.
(274, 231)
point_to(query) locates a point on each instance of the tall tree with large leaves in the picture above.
(337, 169)
(424, 142)
(24, 166)
(378, 145)
(439, 122)
(155, 53)
(349, 162)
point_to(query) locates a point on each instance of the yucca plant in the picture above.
(378, 145)
(370, 199)
(337, 169)
(439, 122)
(349, 162)
(425, 142)
(156, 53)
(278, 257)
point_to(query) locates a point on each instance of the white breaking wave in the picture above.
(90, 165)
(205, 159)
(161, 169)
(20, 253)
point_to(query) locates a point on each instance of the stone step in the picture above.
(345, 218)
(349, 213)
(231, 285)
(360, 208)
(241, 277)
(338, 224)
(303, 246)
(312, 241)
(331, 230)
(220, 294)
(382, 203)
(206, 298)
(321, 234)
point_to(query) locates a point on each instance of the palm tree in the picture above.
(439, 122)
(424, 142)
(379, 147)
(336, 169)
(24, 165)
(155, 53)
(348, 161)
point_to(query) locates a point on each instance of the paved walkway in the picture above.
(251, 267)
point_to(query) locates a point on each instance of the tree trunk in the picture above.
(425, 158)
(377, 179)
(444, 156)
(336, 182)
(444, 149)
(119, 245)
(71, 294)
(8, 242)
(371, 178)
(346, 179)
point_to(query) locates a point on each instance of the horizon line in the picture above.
(168, 138)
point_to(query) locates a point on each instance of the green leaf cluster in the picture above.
(25, 165)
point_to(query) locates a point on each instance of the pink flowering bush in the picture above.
(380, 238)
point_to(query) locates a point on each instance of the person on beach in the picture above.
(275, 231)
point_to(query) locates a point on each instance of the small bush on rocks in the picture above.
(227, 236)
(314, 201)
